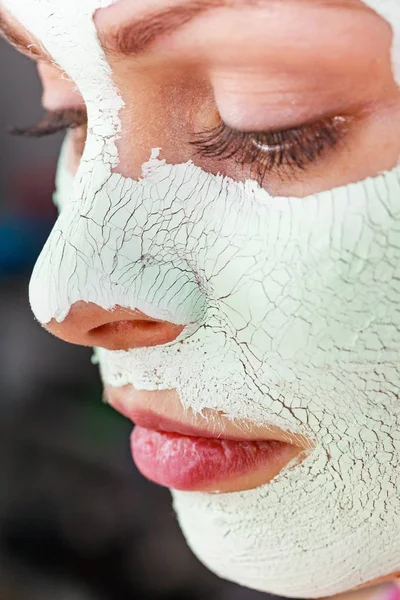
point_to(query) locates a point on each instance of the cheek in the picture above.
(75, 147)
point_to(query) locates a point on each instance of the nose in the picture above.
(87, 324)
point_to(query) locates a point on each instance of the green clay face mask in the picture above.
(292, 319)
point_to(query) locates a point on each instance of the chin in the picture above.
(233, 541)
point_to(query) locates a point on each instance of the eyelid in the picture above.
(256, 100)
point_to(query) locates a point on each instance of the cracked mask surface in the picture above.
(292, 307)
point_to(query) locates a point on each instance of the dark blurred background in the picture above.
(77, 521)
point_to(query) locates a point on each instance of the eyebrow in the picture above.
(21, 42)
(136, 36)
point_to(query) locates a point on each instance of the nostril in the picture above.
(122, 327)
(125, 334)
(118, 329)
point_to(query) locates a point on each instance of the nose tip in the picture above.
(87, 324)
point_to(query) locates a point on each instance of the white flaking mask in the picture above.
(293, 306)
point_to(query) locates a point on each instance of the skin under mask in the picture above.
(291, 307)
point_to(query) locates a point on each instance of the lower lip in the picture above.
(191, 463)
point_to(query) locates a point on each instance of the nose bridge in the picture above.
(113, 245)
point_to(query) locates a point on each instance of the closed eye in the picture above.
(285, 150)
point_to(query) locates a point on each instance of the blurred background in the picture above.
(77, 521)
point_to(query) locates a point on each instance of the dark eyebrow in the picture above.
(21, 42)
(136, 37)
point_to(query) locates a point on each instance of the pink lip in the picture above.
(191, 463)
(206, 453)
(184, 457)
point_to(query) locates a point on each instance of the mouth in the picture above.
(208, 453)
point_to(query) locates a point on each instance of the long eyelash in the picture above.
(53, 122)
(291, 148)
(264, 151)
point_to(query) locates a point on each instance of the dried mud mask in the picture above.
(291, 307)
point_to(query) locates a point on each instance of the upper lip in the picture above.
(162, 411)
(151, 420)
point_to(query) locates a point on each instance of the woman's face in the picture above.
(229, 241)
